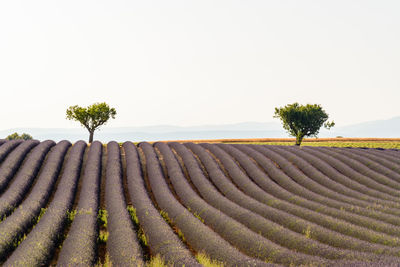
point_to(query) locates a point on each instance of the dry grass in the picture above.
(387, 143)
(274, 140)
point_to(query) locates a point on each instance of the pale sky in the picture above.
(198, 62)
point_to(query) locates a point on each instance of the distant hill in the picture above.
(381, 128)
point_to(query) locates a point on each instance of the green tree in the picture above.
(300, 121)
(91, 117)
(23, 136)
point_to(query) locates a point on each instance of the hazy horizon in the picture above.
(372, 129)
(190, 63)
(275, 121)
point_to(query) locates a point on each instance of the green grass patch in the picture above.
(71, 216)
(102, 217)
(107, 262)
(156, 261)
(164, 214)
(140, 233)
(196, 215)
(42, 211)
(103, 237)
(307, 232)
(203, 259)
(132, 212)
(381, 144)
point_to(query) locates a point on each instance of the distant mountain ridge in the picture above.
(380, 128)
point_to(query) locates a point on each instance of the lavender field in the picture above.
(187, 204)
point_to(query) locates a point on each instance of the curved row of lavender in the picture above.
(199, 236)
(282, 186)
(122, 245)
(160, 237)
(24, 178)
(18, 224)
(80, 248)
(240, 205)
(267, 227)
(278, 209)
(39, 245)
(13, 162)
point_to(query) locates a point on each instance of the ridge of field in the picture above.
(386, 143)
(230, 202)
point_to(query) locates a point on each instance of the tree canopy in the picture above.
(303, 120)
(91, 117)
(23, 136)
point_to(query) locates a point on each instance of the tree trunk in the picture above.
(299, 138)
(91, 137)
